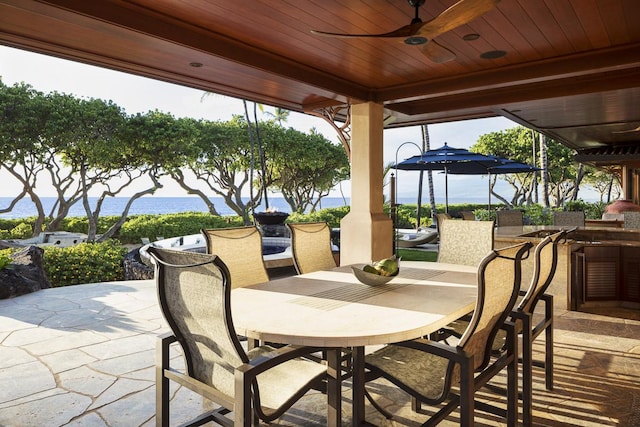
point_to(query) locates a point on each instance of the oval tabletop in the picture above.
(332, 309)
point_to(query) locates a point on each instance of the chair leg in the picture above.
(243, 413)
(549, 344)
(334, 384)
(467, 392)
(527, 370)
(162, 382)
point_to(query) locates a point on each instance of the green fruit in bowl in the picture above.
(370, 269)
(387, 266)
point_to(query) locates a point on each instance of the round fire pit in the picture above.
(270, 218)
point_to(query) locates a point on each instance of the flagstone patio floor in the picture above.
(84, 356)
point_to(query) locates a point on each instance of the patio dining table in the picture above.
(332, 309)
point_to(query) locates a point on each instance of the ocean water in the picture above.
(164, 205)
(147, 205)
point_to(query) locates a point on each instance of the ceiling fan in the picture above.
(419, 33)
(628, 130)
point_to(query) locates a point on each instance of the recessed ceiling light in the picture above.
(493, 54)
(470, 37)
(415, 40)
(196, 64)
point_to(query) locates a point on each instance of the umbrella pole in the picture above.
(446, 190)
(393, 208)
(420, 179)
(489, 187)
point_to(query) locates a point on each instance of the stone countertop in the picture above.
(584, 235)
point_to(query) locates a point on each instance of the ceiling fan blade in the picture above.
(627, 131)
(406, 31)
(459, 14)
(437, 53)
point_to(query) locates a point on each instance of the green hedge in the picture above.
(98, 262)
(172, 225)
(85, 263)
(331, 216)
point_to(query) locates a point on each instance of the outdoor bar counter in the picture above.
(597, 265)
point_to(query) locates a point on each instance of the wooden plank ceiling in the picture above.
(570, 68)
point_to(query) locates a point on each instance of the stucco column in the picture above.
(366, 232)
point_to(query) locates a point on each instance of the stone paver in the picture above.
(84, 356)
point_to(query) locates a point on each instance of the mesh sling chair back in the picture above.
(569, 218)
(509, 218)
(468, 215)
(241, 250)
(631, 220)
(545, 263)
(439, 218)
(545, 259)
(434, 372)
(311, 246)
(465, 242)
(194, 292)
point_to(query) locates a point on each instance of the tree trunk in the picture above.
(426, 146)
(261, 157)
(579, 176)
(544, 173)
(179, 178)
(252, 163)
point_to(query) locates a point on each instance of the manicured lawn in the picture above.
(413, 255)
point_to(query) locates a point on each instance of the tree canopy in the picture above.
(90, 146)
(562, 173)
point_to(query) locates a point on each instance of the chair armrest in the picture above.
(455, 354)
(273, 358)
(163, 341)
(167, 337)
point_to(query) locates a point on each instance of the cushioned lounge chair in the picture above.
(411, 240)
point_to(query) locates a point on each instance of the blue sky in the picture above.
(138, 94)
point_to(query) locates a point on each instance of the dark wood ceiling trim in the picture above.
(239, 91)
(599, 61)
(558, 88)
(166, 28)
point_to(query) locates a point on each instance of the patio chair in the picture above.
(434, 372)
(240, 248)
(311, 246)
(545, 258)
(468, 215)
(465, 242)
(508, 218)
(631, 220)
(195, 299)
(439, 217)
(568, 218)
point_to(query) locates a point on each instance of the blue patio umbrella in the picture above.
(506, 166)
(450, 160)
(460, 161)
